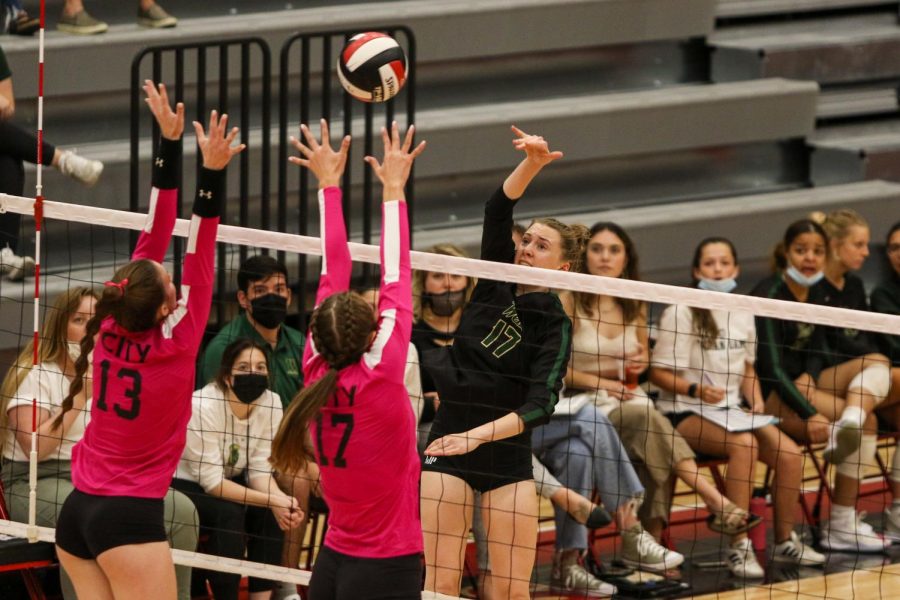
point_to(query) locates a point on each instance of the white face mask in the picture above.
(74, 350)
(717, 285)
(801, 279)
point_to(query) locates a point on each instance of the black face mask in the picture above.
(269, 310)
(249, 386)
(445, 304)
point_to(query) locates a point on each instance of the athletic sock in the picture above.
(853, 414)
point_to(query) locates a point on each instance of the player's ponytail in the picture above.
(101, 311)
(132, 298)
(341, 328)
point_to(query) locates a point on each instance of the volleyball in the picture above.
(372, 67)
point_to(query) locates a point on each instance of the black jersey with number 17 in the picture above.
(510, 351)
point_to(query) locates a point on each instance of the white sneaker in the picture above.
(569, 577)
(15, 267)
(852, 535)
(79, 168)
(845, 439)
(892, 524)
(794, 551)
(642, 551)
(742, 560)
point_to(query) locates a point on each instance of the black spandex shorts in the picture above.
(676, 418)
(490, 466)
(90, 525)
(338, 576)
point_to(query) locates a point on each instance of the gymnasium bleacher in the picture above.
(729, 102)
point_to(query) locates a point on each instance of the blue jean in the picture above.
(584, 452)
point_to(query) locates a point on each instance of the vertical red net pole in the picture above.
(38, 221)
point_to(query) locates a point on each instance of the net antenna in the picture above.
(32, 530)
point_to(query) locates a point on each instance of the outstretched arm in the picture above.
(537, 156)
(157, 231)
(395, 300)
(190, 316)
(328, 165)
(496, 244)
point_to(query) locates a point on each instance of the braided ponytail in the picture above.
(132, 298)
(101, 311)
(340, 329)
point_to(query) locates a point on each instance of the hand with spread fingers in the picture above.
(394, 169)
(216, 147)
(171, 122)
(319, 157)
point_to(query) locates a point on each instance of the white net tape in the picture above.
(637, 290)
(197, 560)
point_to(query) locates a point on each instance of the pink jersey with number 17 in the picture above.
(365, 436)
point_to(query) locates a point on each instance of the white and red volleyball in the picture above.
(372, 67)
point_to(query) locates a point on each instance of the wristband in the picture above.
(692, 390)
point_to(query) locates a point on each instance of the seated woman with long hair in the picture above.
(62, 329)
(609, 348)
(703, 362)
(225, 468)
(848, 248)
(818, 396)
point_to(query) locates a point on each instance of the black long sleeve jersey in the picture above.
(886, 299)
(510, 351)
(787, 349)
(846, 343)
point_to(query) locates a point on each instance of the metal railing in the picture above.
(208, 71)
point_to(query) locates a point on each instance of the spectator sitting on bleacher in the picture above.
(703, 364)
(61, 333)
(610, 348)
(16, 146)
(818, 395)
(225, 467)
(848, 248)
(75, 19)
(264, 296)
(886, 295)
(438, 302)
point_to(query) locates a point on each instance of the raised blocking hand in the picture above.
(324, 162)
(171, 122)
(216, 148)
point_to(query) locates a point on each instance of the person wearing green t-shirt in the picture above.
(264, 297)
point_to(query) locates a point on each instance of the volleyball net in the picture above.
(83, 245)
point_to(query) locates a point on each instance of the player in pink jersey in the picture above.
(110, 536)
(355, 407)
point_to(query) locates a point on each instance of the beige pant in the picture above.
(654, 448)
